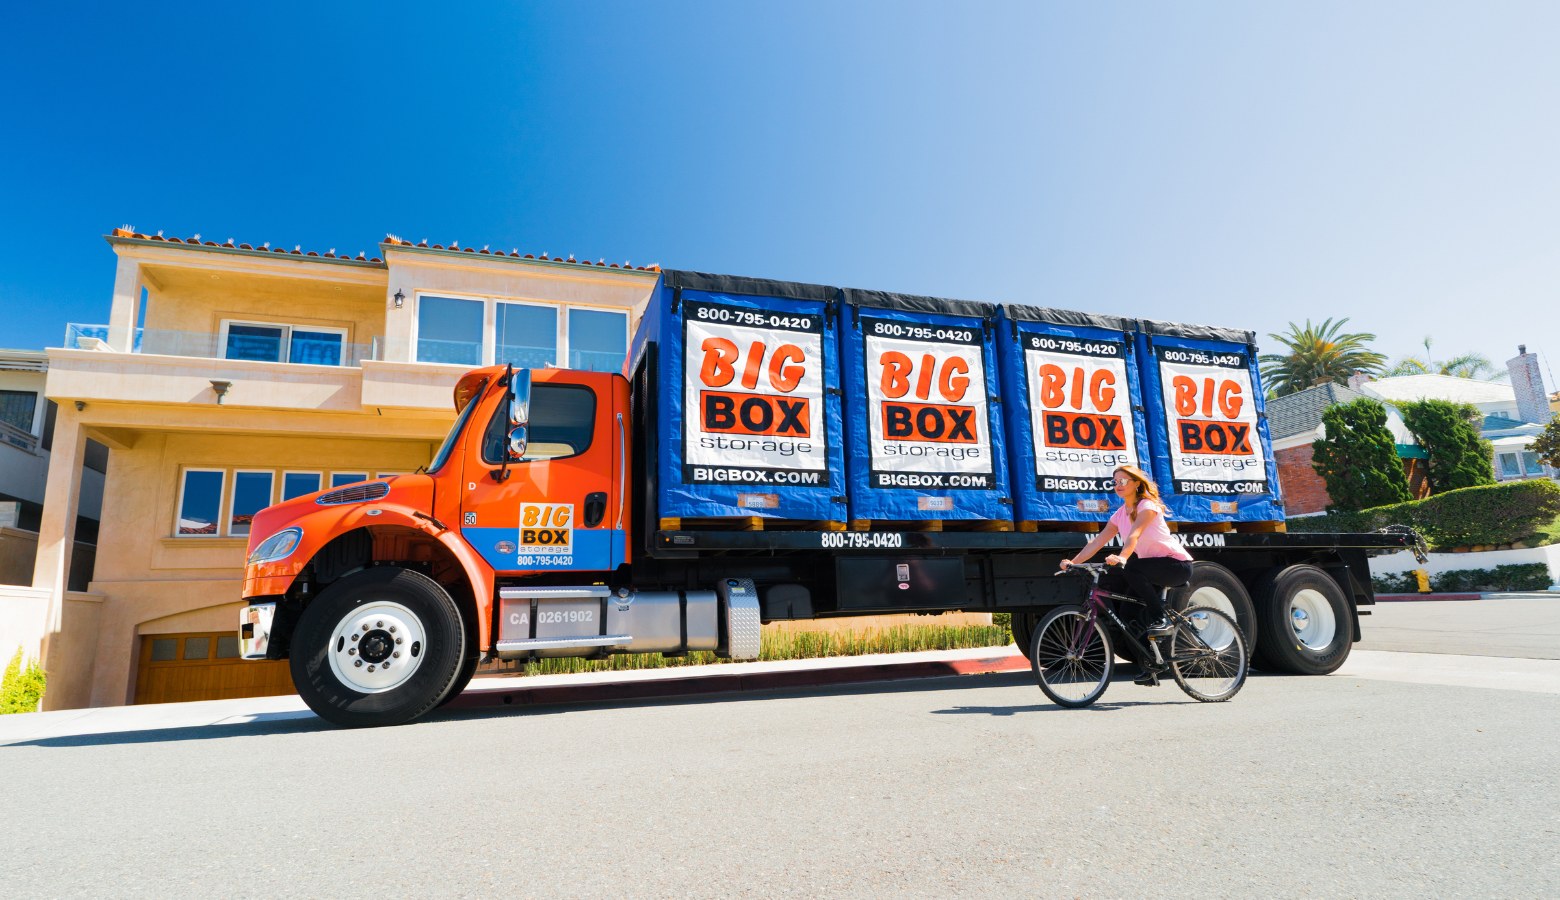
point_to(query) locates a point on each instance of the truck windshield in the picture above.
(454, 435)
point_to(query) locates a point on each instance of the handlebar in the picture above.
(1093, 570)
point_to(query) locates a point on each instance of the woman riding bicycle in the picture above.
(1149, 558)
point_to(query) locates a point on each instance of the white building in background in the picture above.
(1515, 410)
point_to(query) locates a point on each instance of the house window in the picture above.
(297, 484)
(526, 335)
(251, 493)
(1508, 466)
(1531, 464)
(449, 330)
(337, 479)
(17, 409)
(200, 502)
(598, 340)
(260, 342)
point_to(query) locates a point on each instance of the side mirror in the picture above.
(517, 443)
(519, 400)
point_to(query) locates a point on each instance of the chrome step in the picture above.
(566, 592)
(530, 645)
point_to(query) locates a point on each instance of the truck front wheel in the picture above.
(380, 647)
(1305, 621)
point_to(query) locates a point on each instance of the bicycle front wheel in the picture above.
(1208, 655)
(1071, 657)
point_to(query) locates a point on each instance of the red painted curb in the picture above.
(734, 683)
(1408, 598)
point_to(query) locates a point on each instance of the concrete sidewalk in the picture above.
(640, 684)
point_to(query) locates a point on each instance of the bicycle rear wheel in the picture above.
(1071, 657)
(1208, 655)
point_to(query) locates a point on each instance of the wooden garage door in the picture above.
(204, 666)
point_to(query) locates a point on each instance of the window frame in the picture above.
(32, 423)
(287, 329)
(489, 354)
(178, 508)
(319, 482)
(502, 412)
(232, 498)
(331, 479)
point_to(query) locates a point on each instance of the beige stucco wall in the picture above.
(199, 302)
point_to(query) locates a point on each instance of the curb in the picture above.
(1416, 598)
(734, 683)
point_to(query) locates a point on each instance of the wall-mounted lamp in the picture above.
(81, 405)
(400, 299)
(221, 387)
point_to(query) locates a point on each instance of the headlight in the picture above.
(277, 546)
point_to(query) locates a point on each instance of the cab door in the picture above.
(557, 508)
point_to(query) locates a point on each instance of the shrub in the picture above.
(1523, 577)
(1401, 583)
(21, 689)
(1358, 458)
(1495, 514)
(1449, 434)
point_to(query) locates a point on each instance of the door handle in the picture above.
(595, 508)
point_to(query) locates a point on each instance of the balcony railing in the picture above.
(205, 345)
(12, 436)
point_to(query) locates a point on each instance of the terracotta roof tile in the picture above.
(126, 231)
(455, 247)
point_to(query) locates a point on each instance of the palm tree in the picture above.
(1468, 365)
(1318, 354)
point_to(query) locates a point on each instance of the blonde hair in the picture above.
(1146, 490)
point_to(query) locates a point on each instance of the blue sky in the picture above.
(1236, 164)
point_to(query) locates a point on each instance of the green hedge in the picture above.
(1494, 514)
(1522, 577)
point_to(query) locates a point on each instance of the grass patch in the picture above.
(789, 645)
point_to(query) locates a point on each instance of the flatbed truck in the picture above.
(540, 529)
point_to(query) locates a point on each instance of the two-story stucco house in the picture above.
(229, 377)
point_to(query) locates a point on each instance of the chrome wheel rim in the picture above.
(377, 647)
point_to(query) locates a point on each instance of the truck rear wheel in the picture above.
(1305, 621)
(380, 647)
(1215, 587)
(1023, 627)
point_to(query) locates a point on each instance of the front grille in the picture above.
(354, 493)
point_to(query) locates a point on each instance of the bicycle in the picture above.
(1073, 656)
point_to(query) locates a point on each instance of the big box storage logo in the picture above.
(1080, 405)
(928, 417)
(754, 396)
(1211, 417)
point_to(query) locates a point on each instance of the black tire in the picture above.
(468, 668)
(1208, 656)
(1305, 621)
(403, 618)
(1023, 627)
(1216, 587)
(1071, 673)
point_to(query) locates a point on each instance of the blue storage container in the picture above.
(1074, 410)
(922, 410)
(746, 396)
(1207, 423)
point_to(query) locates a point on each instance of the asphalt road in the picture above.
(1341, 786)
(1526, 627)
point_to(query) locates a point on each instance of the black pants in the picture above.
(1142, 577)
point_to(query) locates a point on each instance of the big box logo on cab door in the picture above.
(754, 396)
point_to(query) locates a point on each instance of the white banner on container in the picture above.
(926, 395)
(753, 396)
(1080, 405)
(1211, 416)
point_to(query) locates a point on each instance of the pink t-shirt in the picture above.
(1156, 540)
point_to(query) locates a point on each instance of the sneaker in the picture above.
(1161, 627)
(1147, 679)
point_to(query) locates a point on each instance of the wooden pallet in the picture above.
(748, 523)
(1075, 527)
(1229, 527)
(931, 525)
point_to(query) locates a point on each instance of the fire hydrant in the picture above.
(1422, 578)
